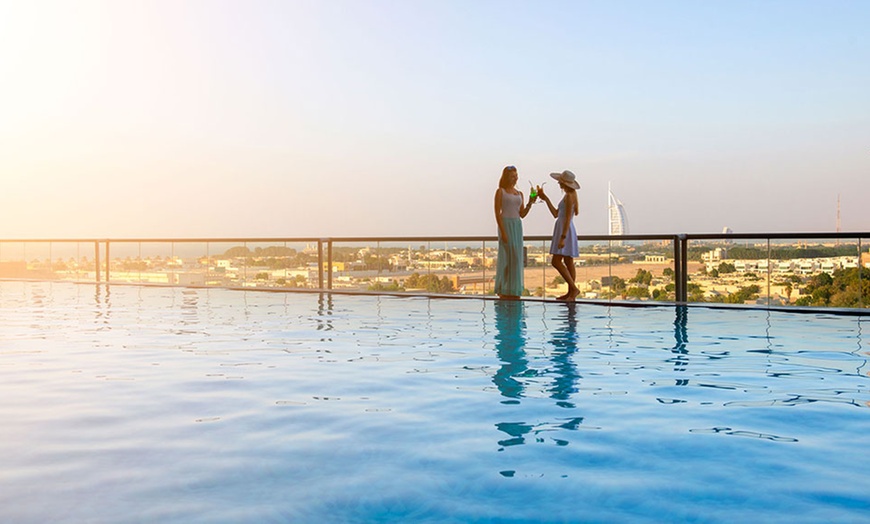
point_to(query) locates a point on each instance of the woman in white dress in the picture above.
(564, 244)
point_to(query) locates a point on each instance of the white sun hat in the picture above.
(566, 177)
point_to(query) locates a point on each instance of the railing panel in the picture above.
(408, 266)
(124, 262)
(33, 260)
(813, 272)
(270, 264)
(12, 263)
(222, 264)
(642, 270)
(73, 261)
(354, 265)
(786, 270)
(463, 268)
(175, 263)
(49, 260)
(536, 258)
(593, 271)
(145, 262)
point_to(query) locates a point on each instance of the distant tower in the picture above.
(618, 220)
(727, 231)
(838, 212)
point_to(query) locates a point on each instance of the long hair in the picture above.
(503, 181)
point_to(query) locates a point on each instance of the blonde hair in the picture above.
(503, 182)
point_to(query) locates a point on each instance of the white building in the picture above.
(617, 218)
(715, 255)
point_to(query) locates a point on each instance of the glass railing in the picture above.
(785, 270)
(766, 270)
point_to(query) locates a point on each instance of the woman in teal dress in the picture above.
(509, 212)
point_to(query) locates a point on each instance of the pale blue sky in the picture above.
(346, 118)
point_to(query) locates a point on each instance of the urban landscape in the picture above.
(804, 273)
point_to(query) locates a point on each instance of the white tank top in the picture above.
(510, 204)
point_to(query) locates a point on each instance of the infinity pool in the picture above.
(133, 404)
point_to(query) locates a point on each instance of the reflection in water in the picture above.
(324, 312)
(510, 341)
(681, 339)
(859, 348)
(189, 307)
(102, 303)
(519, 430)
(564, 341)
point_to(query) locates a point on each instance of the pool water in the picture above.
(136, 404)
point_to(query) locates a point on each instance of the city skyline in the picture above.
(203, 119)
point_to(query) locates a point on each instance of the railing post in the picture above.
(320, 263)
(97, 259)
(681, 268)
(329, 263)
(107, 261)
(677, 265)
(483, 258)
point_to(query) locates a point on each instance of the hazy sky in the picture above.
(381, 118)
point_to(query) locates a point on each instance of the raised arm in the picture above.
(545, 198)
(524, 208)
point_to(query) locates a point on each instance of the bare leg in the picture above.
(559, 262)
(569, 263)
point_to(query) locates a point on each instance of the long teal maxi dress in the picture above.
(509, 267)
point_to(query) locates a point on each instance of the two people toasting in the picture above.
(509, 212)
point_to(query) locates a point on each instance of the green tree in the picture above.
(661, 294)
(846, 288)
(642, 277)
(430, 283)
(743, 294)
(694, 292)
(617, 284)
(380, 286)
(238, 251)
(637, 292)
(726, 267)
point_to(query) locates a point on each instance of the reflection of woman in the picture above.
(510, 341)
(509, 212)
(564, 244)
(564, 342)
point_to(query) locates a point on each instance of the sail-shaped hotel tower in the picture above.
(616, 215)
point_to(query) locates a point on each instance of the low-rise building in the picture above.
(715, 255)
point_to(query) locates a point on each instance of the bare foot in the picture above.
(572, 295)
